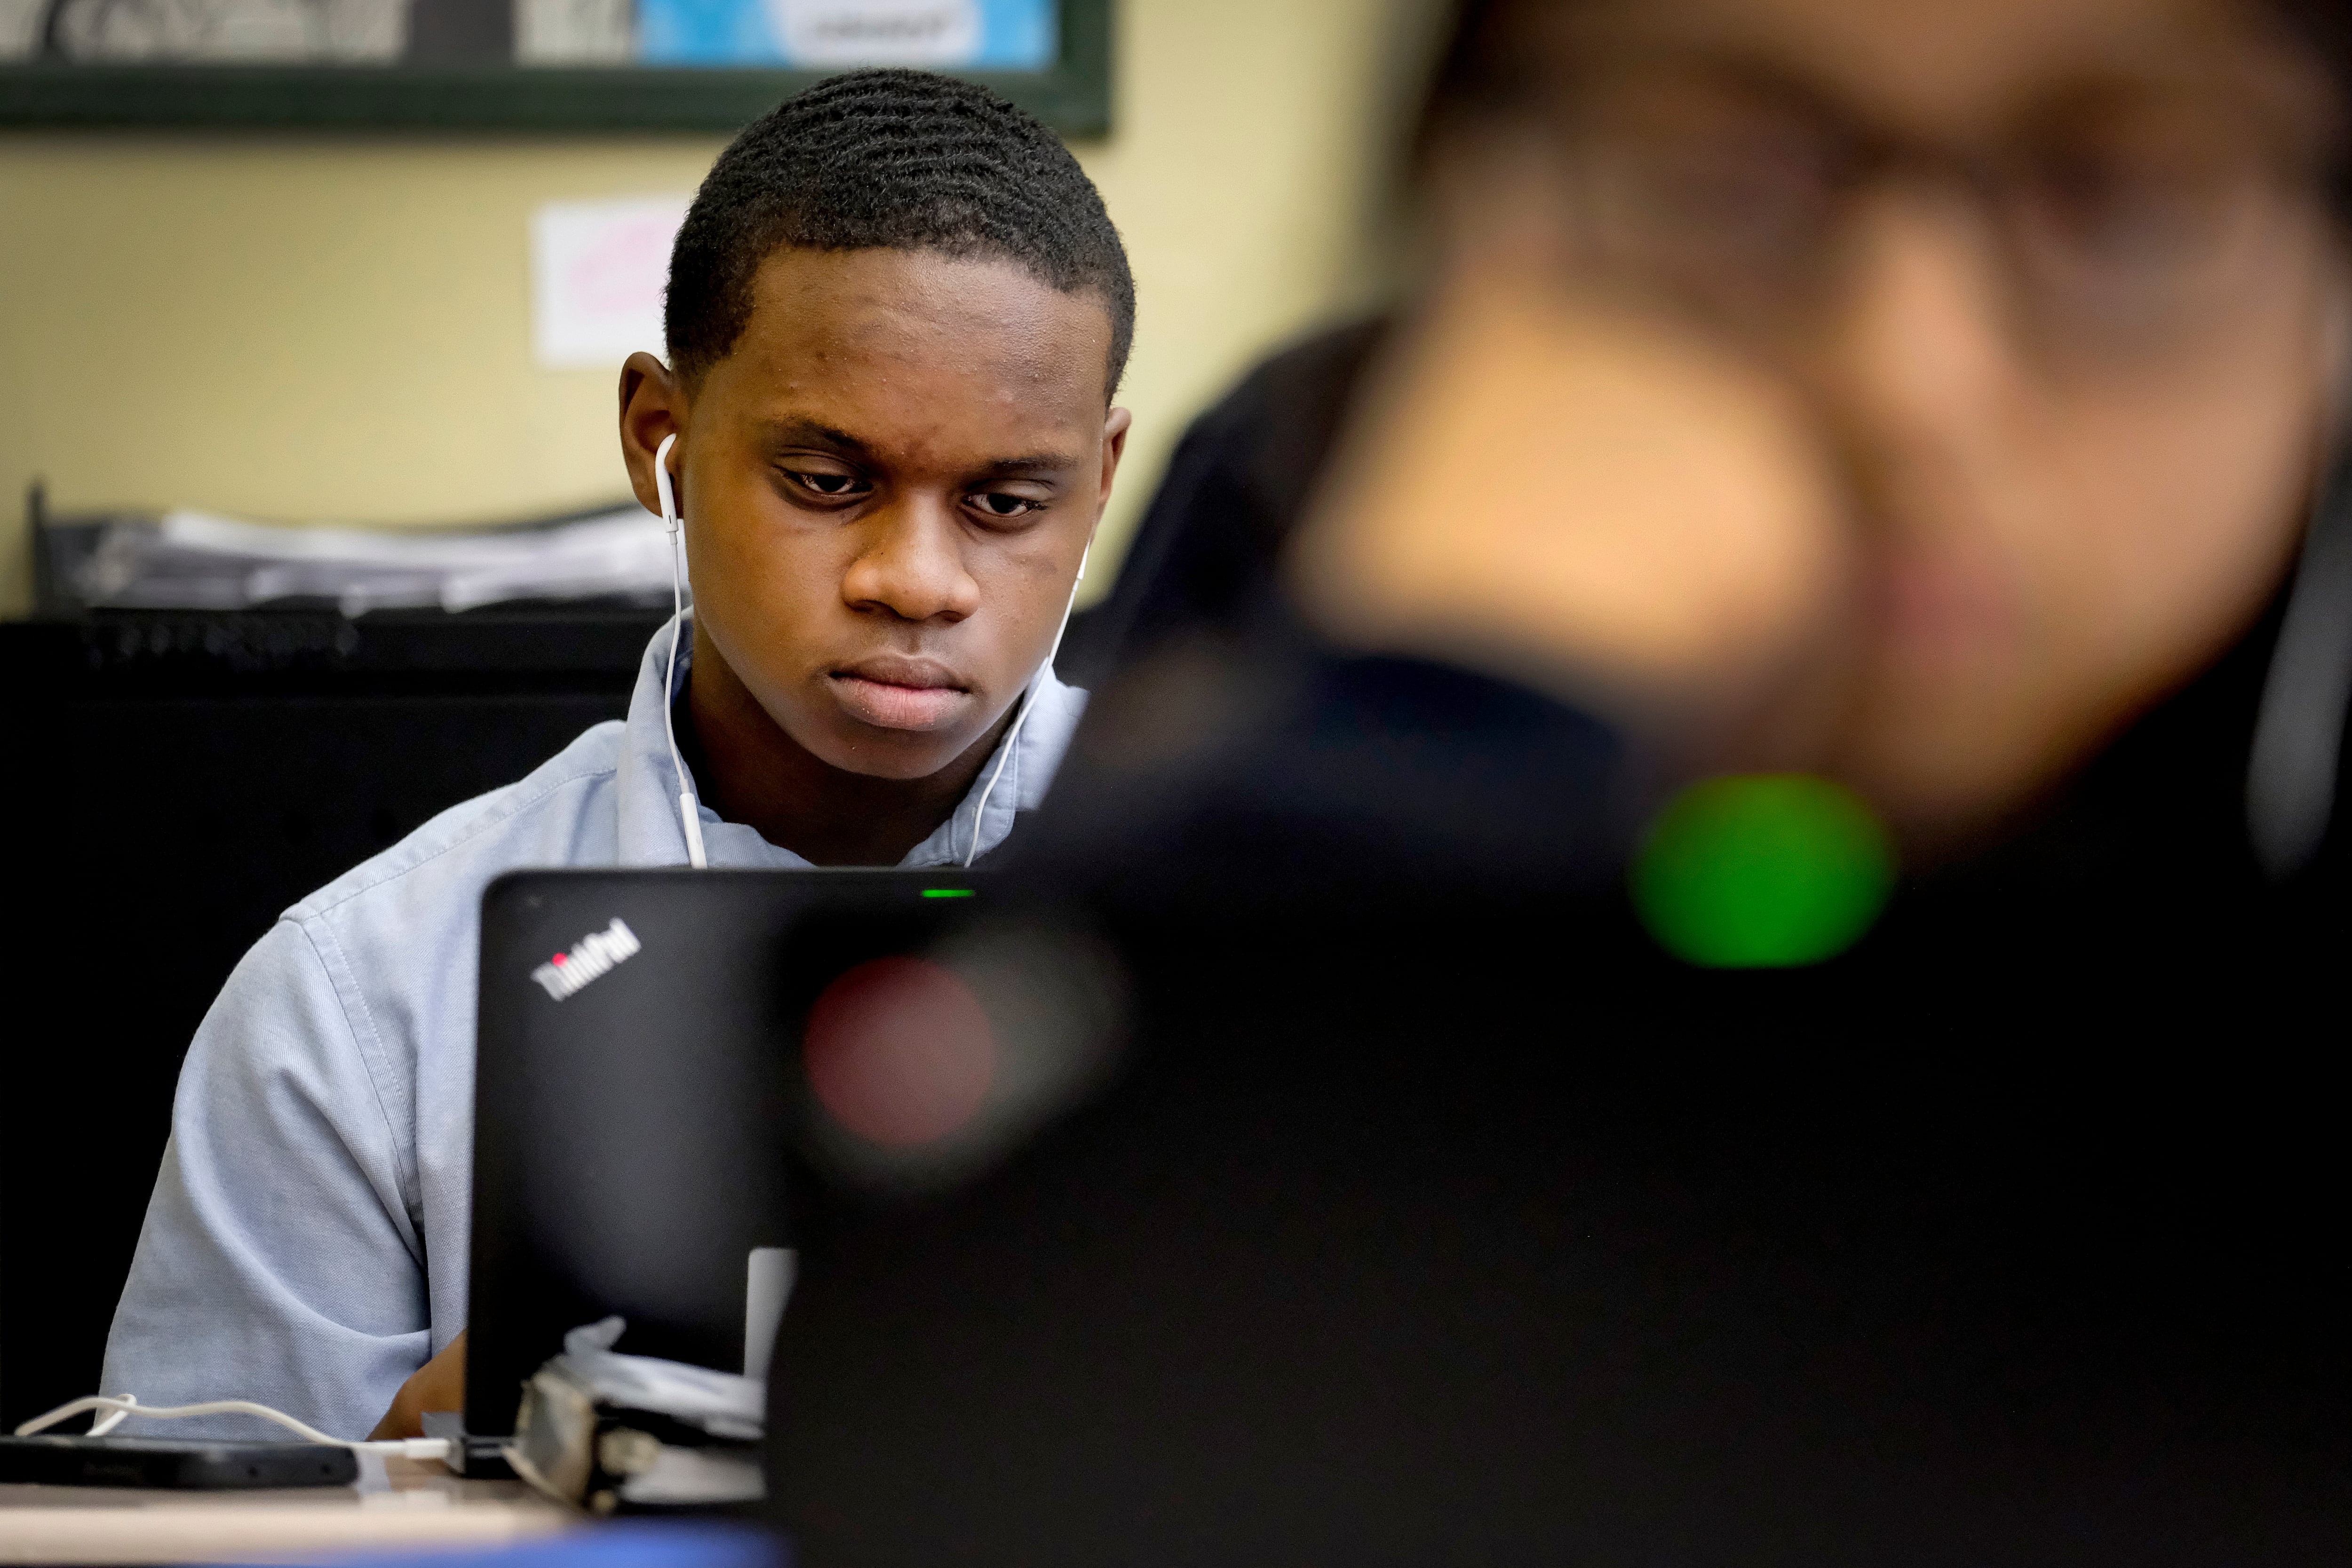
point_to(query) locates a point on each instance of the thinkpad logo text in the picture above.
(593, 956)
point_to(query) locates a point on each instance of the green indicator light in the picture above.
(1762, 871)
(948, 892)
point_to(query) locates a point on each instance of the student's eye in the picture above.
(833, 487)
(999, 505)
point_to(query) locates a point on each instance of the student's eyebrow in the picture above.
(816, 433)
(1018, 468)
(810, 433)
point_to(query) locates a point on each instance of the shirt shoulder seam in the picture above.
(370, 1049)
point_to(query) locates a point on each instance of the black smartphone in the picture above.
(185, 1466)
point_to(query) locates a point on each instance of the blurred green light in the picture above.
(1762, 871)
(948, 892)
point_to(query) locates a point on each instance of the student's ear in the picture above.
(653, 407)
(1115, 428)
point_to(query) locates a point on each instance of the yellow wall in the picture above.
(337, 328)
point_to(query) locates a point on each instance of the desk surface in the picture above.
(398, 1503)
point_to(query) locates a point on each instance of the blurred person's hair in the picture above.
(890, 160)
(1481, 65)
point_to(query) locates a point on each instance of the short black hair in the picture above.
(890, 160)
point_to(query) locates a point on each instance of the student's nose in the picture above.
(911, 566)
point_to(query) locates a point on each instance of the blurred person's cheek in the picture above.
(2047, 549)
(1561, 483)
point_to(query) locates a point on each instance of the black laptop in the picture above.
(665, 1056)
(637, 1099)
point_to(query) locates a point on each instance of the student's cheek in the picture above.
(1025, 596)
(769, 592)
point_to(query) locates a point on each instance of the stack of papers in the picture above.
(604, 1430)
(191, 561)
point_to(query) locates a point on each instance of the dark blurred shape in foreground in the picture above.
(1893, 395)
(1439, 1216)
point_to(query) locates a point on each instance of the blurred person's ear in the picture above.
(2336, 349)
(1551, 481)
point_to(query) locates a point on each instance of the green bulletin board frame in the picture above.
(1073, 95)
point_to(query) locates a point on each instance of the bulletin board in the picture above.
(523, 64)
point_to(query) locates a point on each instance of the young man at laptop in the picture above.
(897, 315)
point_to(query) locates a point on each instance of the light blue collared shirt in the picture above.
(306, 1245)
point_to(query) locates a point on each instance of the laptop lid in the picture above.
(643, 1099)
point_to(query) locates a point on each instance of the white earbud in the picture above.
(689, 816)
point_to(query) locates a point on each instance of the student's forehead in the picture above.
(873, 322)
(1937, 65)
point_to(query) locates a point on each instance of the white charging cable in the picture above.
(690, 815)
(1004, 752)
(121, 1409)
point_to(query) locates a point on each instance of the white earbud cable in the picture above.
(689, 814)
(1004, 752)
(122, 1409)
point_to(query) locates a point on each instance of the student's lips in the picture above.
(897, 693)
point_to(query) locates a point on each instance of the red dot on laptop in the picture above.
(900, 1051)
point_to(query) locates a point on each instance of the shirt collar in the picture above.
(647, 780)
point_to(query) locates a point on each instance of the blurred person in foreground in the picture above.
(1929, 398)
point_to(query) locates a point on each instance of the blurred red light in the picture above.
(900, 1051)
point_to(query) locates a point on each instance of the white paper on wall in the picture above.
(597, 271)
(878, 32)
(154, 32)
(574, 32)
